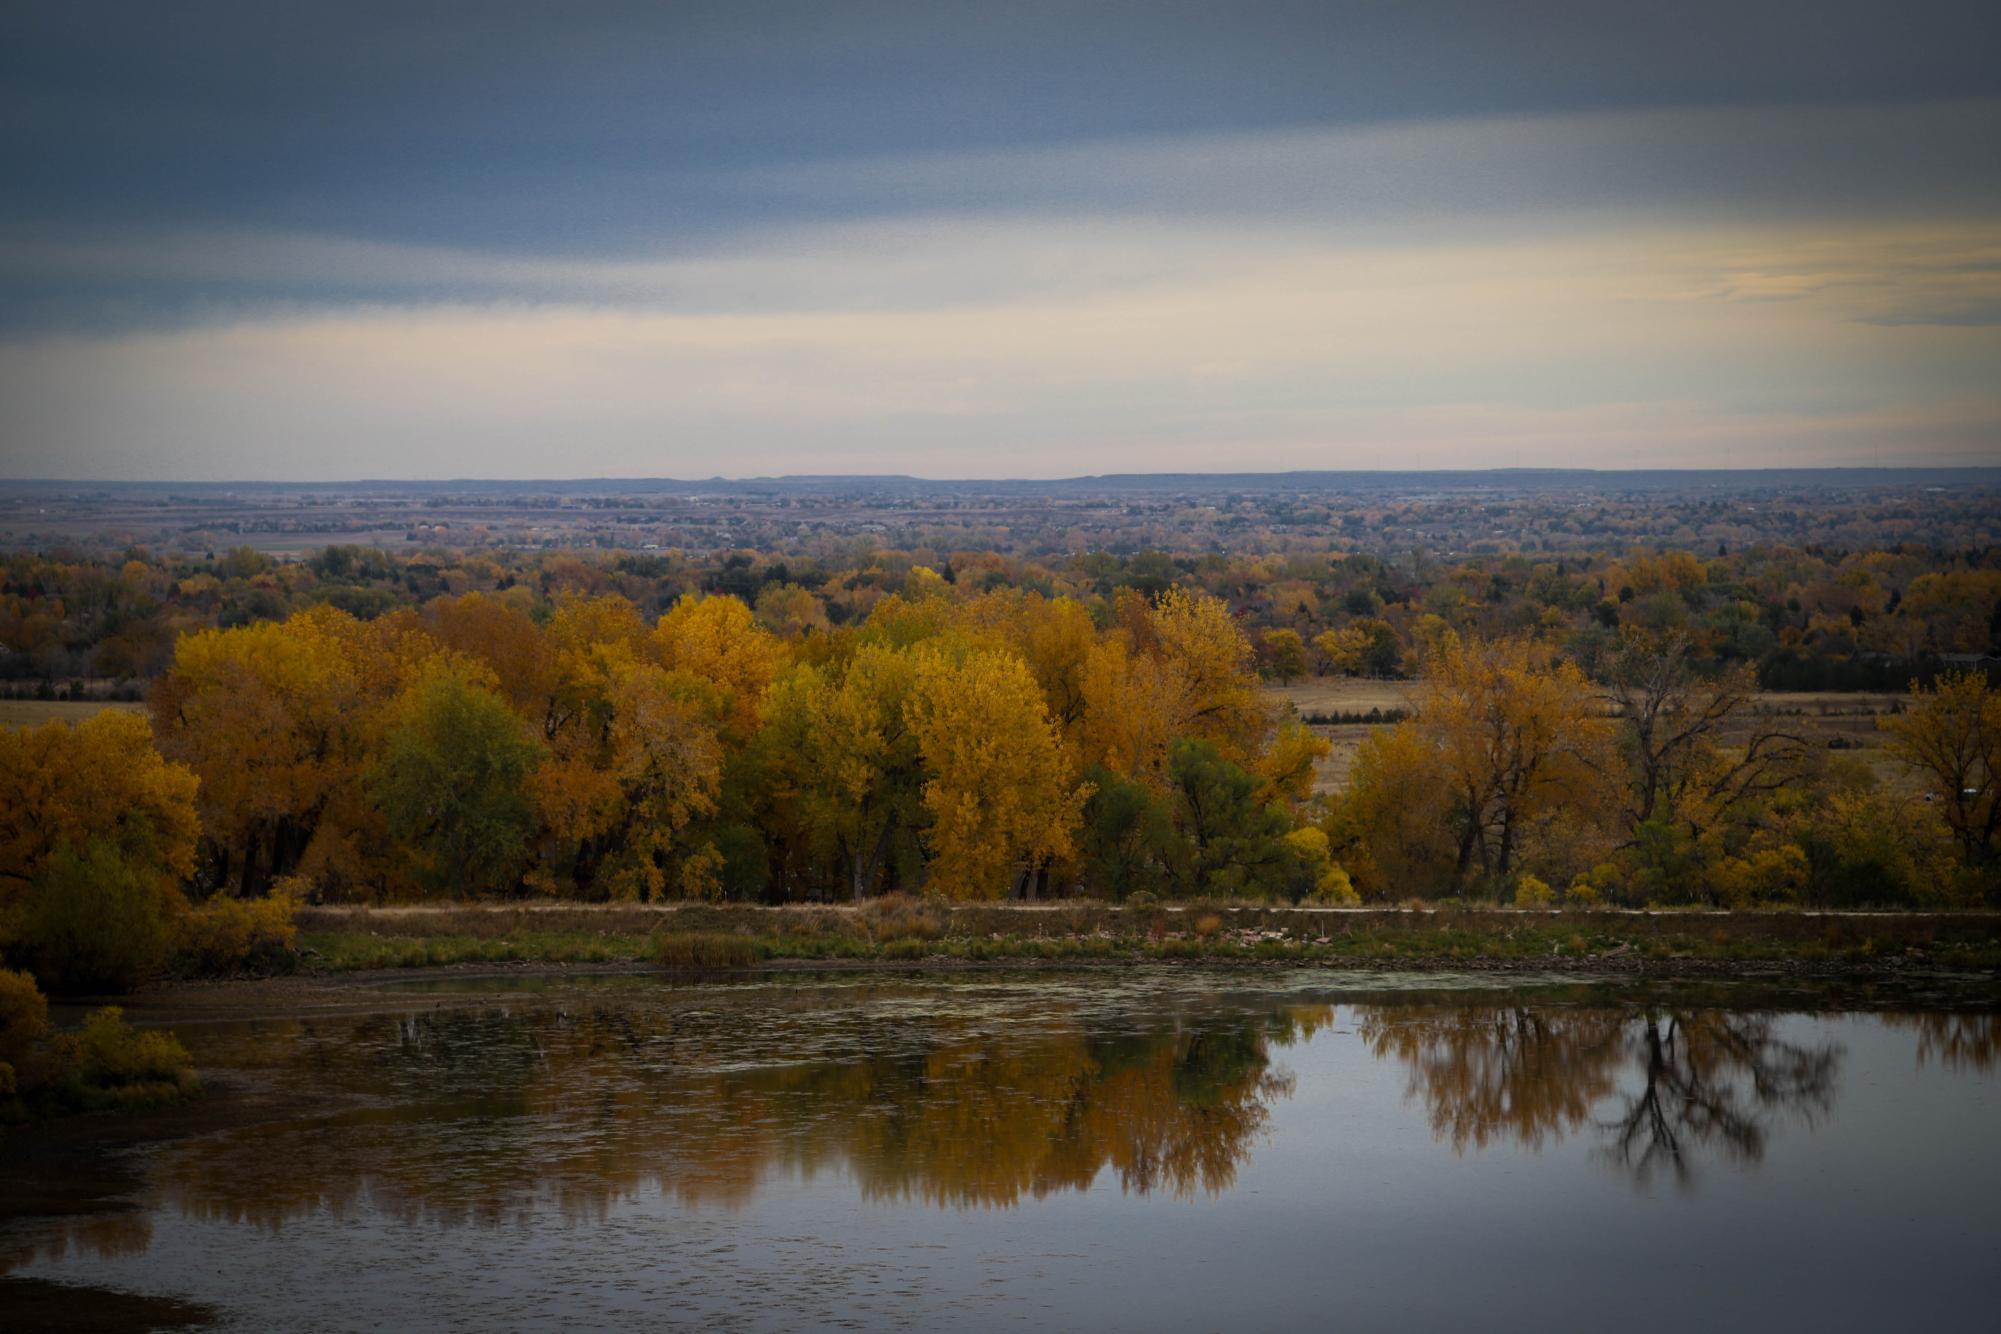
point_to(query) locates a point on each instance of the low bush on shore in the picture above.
(105, 1064)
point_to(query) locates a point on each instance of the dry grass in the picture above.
(726, 936)
(35, 712)
(1344, 694)
(698, 950)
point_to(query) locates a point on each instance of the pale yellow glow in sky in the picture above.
(1045, 346)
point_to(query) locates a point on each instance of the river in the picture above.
(1142, 1149)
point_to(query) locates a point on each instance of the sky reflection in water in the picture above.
(1145, 1152)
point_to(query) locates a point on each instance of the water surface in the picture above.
(1123, 1150)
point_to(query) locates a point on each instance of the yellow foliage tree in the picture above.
(262, 714)
(1220, 698)
(97, 834)
(1951, 737)
(1392, 826)
(1341, 650)
(634, 759)
(999, 790)
(1286, 767)
(790, 612)
(100, 782)
(1133, 711)
(1518, 734)
(854, 754)
(717, 639)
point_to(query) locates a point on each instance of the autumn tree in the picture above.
(1287, 767)
(1285, 654)
(1950, 736)
(1392, 826)
(1175, 667)
(662, 761)
(1055, 637)
(97, 833)
(790, 612)
(498, 631)
(717, 640)
(1518, 737)
(1133, 708)
(1689, 799)
(998, 792)
(634, 756)
(1671, 722)
(1340, 651)
(262, 715)
(1219, 696)
(855, 756)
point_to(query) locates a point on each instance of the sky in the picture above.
(419, 240)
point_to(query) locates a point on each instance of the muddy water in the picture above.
(1169, 1150)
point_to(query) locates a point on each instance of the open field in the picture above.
(1345, 694)
(1847, 721)
(35, 712)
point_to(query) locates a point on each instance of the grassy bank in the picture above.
(346, 939)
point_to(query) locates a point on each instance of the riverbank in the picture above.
(908, 934)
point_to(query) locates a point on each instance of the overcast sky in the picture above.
(268, 240)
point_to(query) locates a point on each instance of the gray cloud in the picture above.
(248, 239)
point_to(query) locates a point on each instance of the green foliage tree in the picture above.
(1127, 841)
(93, 922)
(1232, 844)
(451, 778)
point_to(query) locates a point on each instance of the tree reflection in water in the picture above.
(1957, 1041)
(1680, 1080)
(500, 1114)
(462, 1117)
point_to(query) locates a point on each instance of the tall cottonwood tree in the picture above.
(265, 715)
(1518, 735)
(451, 777)
(998, 790)
(1950, 735)
(1671, 734)
(854, 755)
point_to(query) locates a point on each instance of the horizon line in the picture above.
(771, 478)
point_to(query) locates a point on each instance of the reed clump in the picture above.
(704, 950)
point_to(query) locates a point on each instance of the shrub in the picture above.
(108, 1063)
(24, 1021)
(229, 935)
(705, 949)
(112, 1054)
(93, 923)
(1336, 889)
(1582, 894)
(1207, 925)
(897, 918)
(1770, 875)
(1531, 892)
